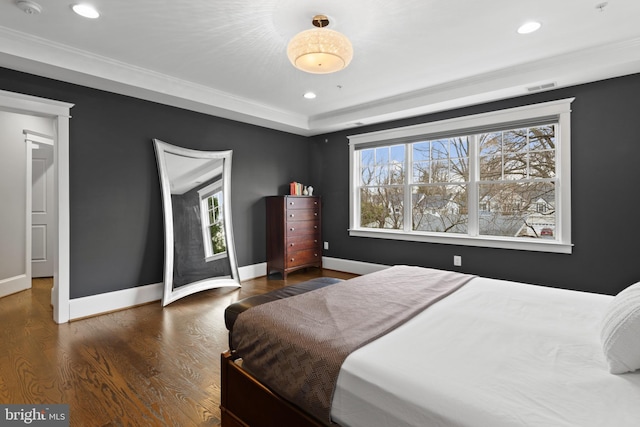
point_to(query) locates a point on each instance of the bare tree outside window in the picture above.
(382, 174)
(515, 185)
(517, 182)
(440, 178)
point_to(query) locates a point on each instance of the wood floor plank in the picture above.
(145, 366)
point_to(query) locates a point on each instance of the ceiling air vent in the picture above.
(541, 87)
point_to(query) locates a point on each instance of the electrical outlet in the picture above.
(326, 246)
(457, 260)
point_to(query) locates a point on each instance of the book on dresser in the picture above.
(294, 235)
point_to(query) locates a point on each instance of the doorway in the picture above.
(42, 220)
(58, 113)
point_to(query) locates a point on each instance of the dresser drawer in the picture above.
(302, 203)
(302, 214)
(297, 228)
(306, 256)
(305, 241)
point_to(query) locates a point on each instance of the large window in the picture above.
(499, 179)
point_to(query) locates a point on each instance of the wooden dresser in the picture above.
(294, 238)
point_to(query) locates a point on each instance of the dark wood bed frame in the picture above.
(245, 402)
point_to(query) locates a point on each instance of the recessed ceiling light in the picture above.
(529, 27)
(309, 95)
(85, 10)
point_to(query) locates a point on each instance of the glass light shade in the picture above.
(320, 51)
(529, 27)
(86, 11)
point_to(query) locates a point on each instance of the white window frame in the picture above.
(204, 194)
(559, 111)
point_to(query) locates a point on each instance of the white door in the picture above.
(42, 211)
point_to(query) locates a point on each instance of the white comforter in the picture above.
(495, 353)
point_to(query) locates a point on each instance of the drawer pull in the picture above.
(292, 203)
(292, 259)
(291, 216)
(315, 241)
(292, 229)
(316, 254)
(315, 214)
(291, 244)
(315, 226)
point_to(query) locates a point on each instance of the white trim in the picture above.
(497, 117)
(62, 254)
(249, 272)
(560, 109)
(31, 140)
(349, 266)
(14, 284)
(111, 301)
(95, 305)
(59, 111)
(35, 55)
(38, 138)
(27, 104)
(538, 245)
(28, 183)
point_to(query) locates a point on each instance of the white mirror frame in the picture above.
(170, 294)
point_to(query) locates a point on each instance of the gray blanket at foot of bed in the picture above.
(296, 345)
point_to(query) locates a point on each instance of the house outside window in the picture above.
(499, 179)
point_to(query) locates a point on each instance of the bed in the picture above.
(483, 352)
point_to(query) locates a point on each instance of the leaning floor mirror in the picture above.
(199, 248)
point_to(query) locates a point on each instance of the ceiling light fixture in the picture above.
(529, 27)
(86, 11)
(309, 95)
(320, 50)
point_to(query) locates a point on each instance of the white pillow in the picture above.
(620, 332)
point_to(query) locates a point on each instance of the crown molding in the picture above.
(31, 54)
(570, 69)
(35, 55)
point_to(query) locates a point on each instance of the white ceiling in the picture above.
(185, 173)
(411, 57)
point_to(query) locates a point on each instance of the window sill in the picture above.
(216, 257)
(537, 245)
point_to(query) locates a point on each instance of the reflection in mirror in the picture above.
(199, 246)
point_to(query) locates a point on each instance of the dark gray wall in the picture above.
(116, 217)
(116, 221)
(605, 172)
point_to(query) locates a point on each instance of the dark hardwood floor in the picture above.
(145, 366)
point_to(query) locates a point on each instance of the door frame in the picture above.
(59, 112)
(31, 141)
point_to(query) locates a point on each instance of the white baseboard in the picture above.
(112, 301)
(14, 284)
(249, 272)
(119, 300)
(348, 266)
